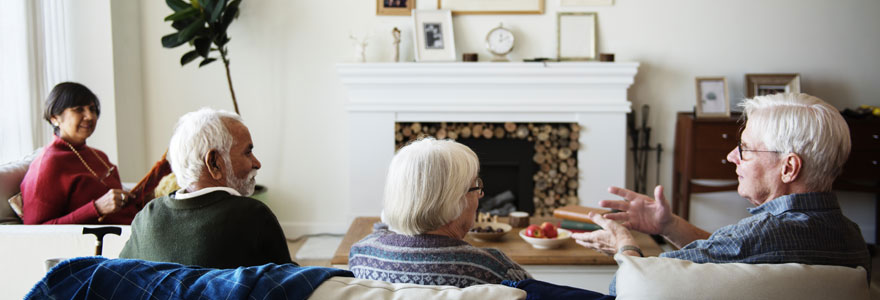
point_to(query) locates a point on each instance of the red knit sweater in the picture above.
(58, 189)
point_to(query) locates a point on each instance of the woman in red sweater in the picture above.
(70, 182)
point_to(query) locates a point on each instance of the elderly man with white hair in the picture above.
(211, 221)
(792, 149)
(431, 197)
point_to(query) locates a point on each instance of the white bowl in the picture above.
(489, 236)
(544, 243)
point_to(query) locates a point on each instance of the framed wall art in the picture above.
(576, 36)
(768, 84)
(492, 6)
(433, 38)
(394, 7)
(712, 99)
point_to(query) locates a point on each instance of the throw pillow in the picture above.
(670, 278)
(353, 288)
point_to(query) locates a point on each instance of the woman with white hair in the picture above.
(431, 197)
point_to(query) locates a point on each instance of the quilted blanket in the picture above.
(101, 278)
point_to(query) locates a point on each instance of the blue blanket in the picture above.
(101, 278)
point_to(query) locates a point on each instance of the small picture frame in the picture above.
(712, 97)
(576, 36)
(394, 7)
(433, 38)
(768, 84)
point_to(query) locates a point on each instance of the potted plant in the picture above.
(202, 24)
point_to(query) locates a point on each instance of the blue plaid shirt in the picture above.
(800, 228)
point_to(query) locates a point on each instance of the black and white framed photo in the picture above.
(768, 84)
(712, 99)
(433, 38)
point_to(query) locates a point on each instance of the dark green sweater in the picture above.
(215, 230)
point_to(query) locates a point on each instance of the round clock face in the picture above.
(499, 41)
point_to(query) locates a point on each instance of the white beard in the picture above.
(244, 186)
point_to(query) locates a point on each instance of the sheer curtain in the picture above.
(33, 58)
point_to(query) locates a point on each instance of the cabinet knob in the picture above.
(724, 136)
(876, 136)
(874, 162)
(724, 161)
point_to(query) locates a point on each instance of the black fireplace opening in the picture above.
(507, 170)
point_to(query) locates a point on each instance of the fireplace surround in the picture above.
(591, 94)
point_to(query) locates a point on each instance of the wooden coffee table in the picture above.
(512, 245)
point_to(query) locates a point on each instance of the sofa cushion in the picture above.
(353, 288)
(11, 175)
(669, 278)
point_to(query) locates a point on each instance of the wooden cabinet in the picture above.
(701, 147)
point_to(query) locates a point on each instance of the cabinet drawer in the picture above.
(716, 136)
(865, 136)
(862, 165)
(713, 164)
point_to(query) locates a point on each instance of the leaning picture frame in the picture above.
(712, 97)
(492, 7)
(768, 84)
(576, 36)
(433, 37)
(394, 7)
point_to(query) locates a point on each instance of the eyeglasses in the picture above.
(479, 187)
(739, 148)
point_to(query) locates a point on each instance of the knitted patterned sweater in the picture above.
(429, 260)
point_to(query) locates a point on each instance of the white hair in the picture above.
(196, 134)
(426, 185)
(805, 125)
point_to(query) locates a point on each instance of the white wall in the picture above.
(283, 55)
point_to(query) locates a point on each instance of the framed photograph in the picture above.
(586, 2)
(433, 38)
(394, 7)
(768, 84)
(712, 100)
(576, 36)
(492, 6)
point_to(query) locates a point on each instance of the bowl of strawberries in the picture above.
(545, 236)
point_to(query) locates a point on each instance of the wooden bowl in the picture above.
(489, 236)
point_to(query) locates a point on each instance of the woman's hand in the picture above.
(640, 212)
(611, 237)
(114, 200)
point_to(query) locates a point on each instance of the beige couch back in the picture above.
(352, 288)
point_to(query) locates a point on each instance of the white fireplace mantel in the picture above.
(592, 94)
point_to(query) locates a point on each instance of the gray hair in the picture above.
(426, 185)
(805, 125)
(196, 134)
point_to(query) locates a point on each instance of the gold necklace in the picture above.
(109, 169)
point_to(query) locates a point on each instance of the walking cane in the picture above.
(99, 233)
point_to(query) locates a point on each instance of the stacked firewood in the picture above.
(556, 145)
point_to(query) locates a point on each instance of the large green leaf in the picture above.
(177, 5)
(190, 31)
(216, 11)
(207, 6)
(183, 14)
(206, 61)
(188, 57)
(171, 40)
(180, 25)
(203, 46)
(221, 40)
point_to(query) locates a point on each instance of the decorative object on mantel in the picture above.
(433, 39)
(395, 45)
(499, 42)
(489, 7)
(712, 99)
(469, 57)
(394, 7)
(556, 145)
(607, 57)
(576, 36)
(586, 2)
(768, 84)
(360, 48)
(202, 23)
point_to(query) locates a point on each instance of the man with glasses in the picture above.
(792, 149)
